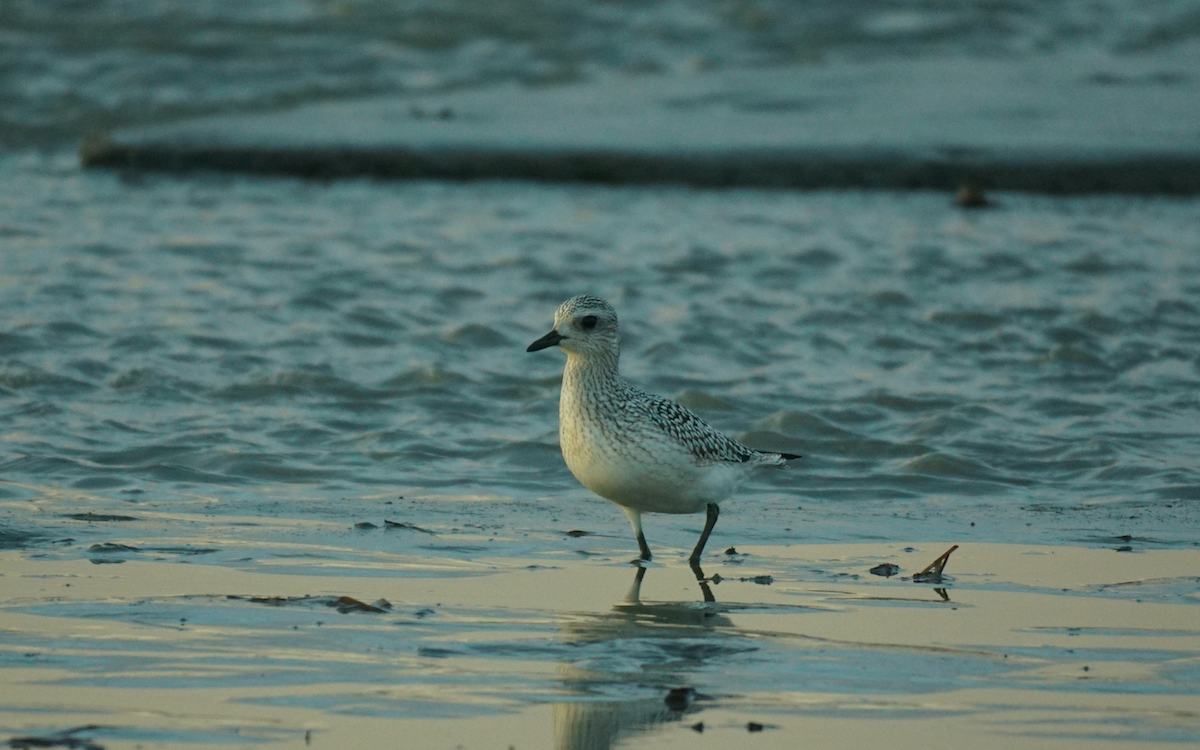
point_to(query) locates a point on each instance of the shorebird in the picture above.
(643, 452)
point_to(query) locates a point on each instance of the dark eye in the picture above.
(588, 322)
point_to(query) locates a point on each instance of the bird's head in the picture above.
(583, 325)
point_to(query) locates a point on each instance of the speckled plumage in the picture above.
(645, 453)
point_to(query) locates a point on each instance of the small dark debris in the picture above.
(178, 550)
(62, 739)
(343, 604)
(71, 742)
(753, 726)
(1085, 668)
(678, 699)
(760, 580)
(365, 525)
(887, 570)
(275, 601)
(106, 548)
(98, 517)
(348, 604)
(970, 195)
(698, 727)
(577, 532)
(406, 525)
(731, 551)
(933, 571)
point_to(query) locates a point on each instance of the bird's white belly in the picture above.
(647, 475)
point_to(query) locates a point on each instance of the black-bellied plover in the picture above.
(640, 451)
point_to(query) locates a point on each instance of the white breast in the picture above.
(630, 461)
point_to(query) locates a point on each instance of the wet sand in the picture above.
(1038, 646)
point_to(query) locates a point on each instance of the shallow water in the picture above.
(73, 69)
(223, 349)
(228, 403)
(275, 467)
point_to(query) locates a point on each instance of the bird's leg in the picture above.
(635, 520)
(713, 512)
(645, 548)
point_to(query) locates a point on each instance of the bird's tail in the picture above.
(775, 459)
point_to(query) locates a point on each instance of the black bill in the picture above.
(550, 339)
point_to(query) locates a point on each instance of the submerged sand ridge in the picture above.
(1059, 123)
(1043, 646)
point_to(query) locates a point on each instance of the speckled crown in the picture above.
(583, 302)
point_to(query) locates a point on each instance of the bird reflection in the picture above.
(673, 628)
(601, 726)
(631, 617)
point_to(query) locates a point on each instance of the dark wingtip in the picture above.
(789, 456)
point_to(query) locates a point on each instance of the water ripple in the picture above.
(212, 341)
